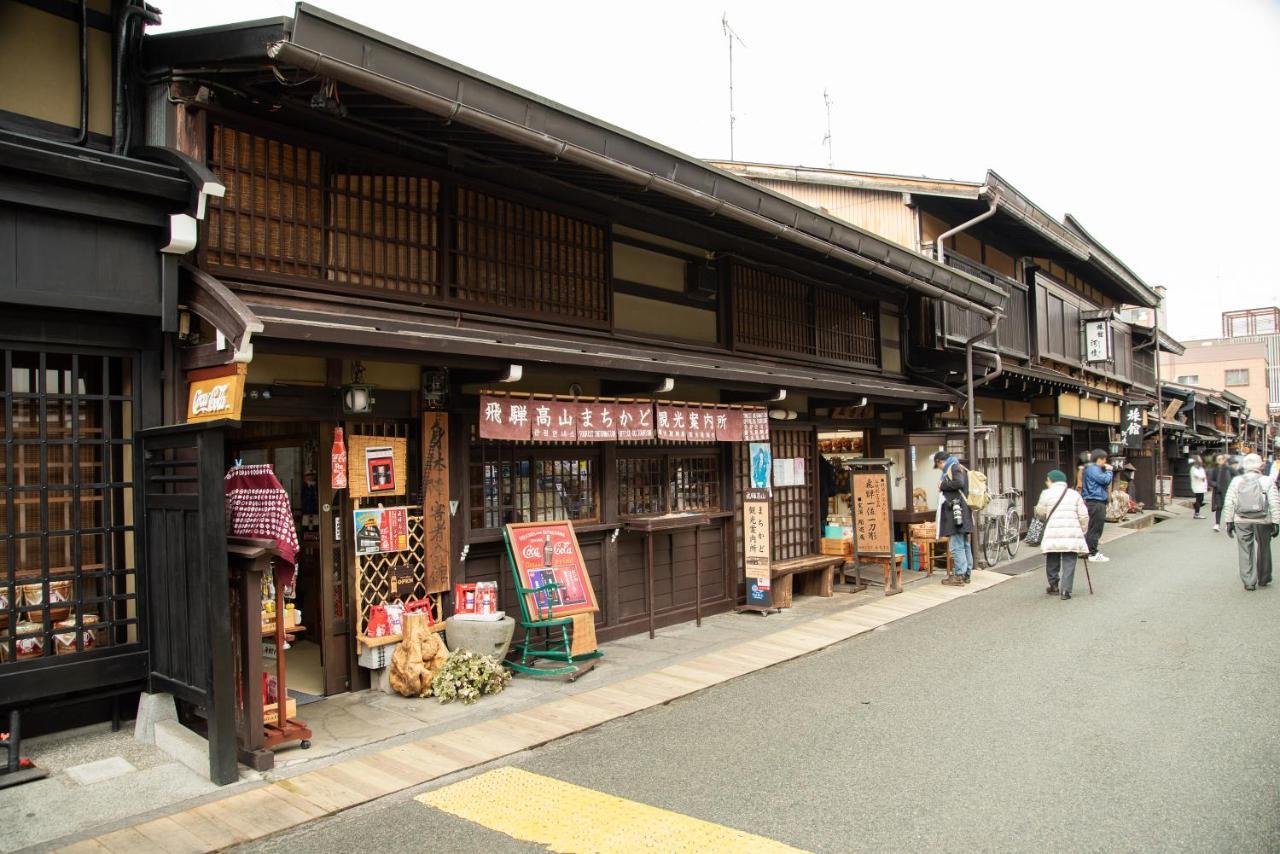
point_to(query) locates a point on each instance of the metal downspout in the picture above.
(317, 63)
(1159, 468)
(939, 250)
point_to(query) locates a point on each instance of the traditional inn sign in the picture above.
(1097, 341)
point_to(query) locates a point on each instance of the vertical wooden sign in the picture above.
(757, 552)
(436, 553)
(871, 513)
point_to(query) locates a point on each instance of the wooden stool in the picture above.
(892, 572)
(932, 558)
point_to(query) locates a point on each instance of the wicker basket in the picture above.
(924, 531)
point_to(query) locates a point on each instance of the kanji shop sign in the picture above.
(540, 420)
(756, 548)
(216, 393)
(1132, 425)
(1097, 341)
(871, 513)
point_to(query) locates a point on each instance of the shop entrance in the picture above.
(317, 659)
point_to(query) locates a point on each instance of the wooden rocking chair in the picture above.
(546, 636)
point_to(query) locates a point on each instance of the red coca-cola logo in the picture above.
(534, 551)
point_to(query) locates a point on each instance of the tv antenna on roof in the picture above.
(731, 36)
(826, 140)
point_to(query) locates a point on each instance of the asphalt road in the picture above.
(1143, 718)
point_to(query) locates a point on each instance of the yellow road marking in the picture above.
(569, 818)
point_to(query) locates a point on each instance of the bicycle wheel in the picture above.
(990, 541)
(1013, 533)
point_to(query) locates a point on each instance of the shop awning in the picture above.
(455, 337)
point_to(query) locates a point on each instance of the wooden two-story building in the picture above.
(421, 243)
(1049, 392)
(93, 224)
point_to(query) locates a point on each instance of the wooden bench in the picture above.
(817, 577)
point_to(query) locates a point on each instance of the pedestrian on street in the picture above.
(1252, 514)
(1219, 480)
(1096, 479)
(1199, 484)
(1066, 516)
(955, 517)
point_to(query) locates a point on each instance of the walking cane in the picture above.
(1086, 574)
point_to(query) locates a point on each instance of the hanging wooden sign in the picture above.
(437, 553)
(216, 393)
(376, 466)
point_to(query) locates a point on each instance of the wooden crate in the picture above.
(837, 547)
(269, 711)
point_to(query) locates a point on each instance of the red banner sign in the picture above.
(635, 422)
(672, 423)
(597, 422)
(554, 421)
(504, 418)
(702, 424)
(546, 552)
(729, 425)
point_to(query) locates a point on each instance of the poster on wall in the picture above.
(376, 466)
(381, 530)
(761, 457)
(871, 526)
(380, 470)
(543, 552)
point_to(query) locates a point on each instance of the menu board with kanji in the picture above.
(871, 521)
(756, 548)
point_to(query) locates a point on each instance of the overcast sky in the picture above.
(1154, 123)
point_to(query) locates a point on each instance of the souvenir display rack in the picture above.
(373, 583)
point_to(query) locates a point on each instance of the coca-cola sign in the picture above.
(215, 393)
(549, 562)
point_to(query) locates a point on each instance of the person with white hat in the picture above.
(1251, 513)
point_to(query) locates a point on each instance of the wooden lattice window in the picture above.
(664, 483)
(513, 482)
(271, 219)
(384, 232)
(68, 571)
(793, 508)
(777, 313)
(518, 257)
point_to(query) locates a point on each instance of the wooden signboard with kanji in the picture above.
(757, 550)
(436, 554)
(871, 520)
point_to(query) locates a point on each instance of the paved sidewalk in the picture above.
(682, 660)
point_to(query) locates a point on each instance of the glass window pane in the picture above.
(25, 373)
(89, 376)
(57, 373)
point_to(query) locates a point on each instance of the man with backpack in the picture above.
(1251, 513)
(1095, 485)
(955, 517)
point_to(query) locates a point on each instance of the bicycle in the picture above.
(1001, 526)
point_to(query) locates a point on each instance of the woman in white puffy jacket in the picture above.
(1066, 517)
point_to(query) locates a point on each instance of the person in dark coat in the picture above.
(955, 518)
(1219, 479)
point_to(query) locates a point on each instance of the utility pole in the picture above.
(826, 99)
(731, 36)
